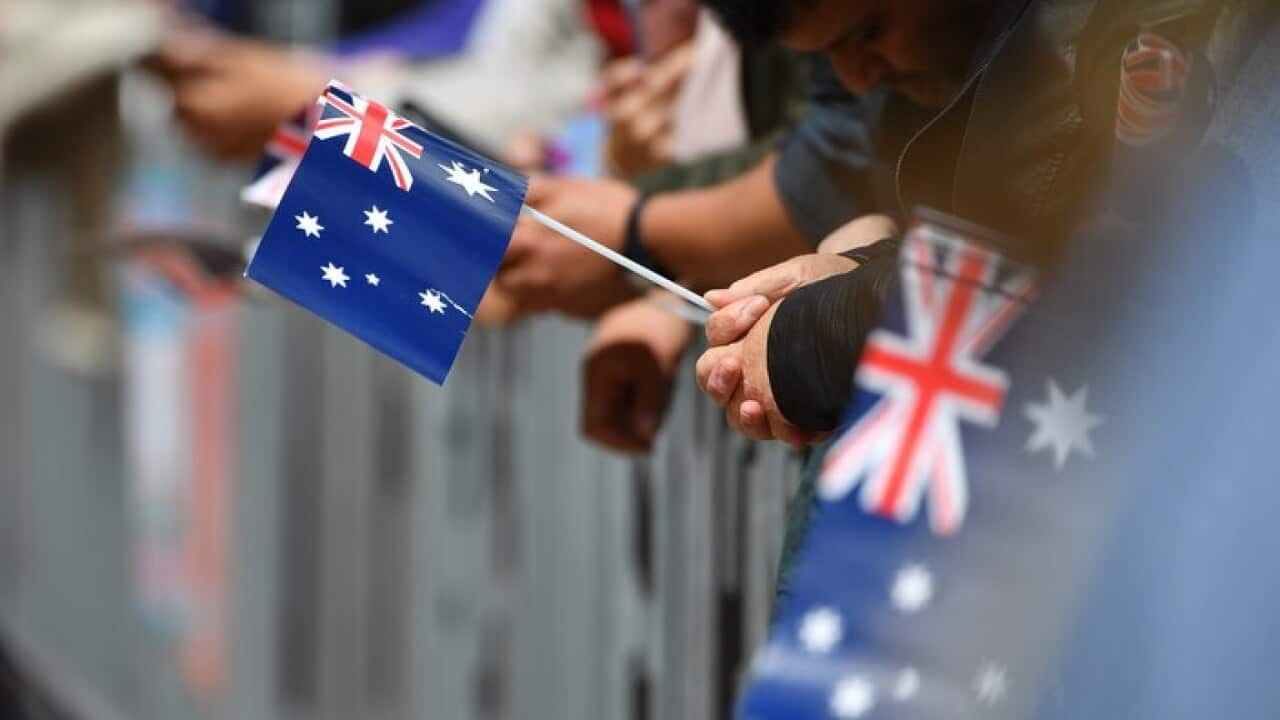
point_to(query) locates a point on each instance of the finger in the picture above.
(725, 379)
(774, 283)
(601, 393)
(733, 413)
(606, 389)
(753, 421)
(668, 74)
(522, 247)
(528, 285)
(706, 364)
(648, 126)
(620, 76)
(729, 324)
(183, 53)
(541, 189)
(664, 148)
(651, 392)
(626, 106)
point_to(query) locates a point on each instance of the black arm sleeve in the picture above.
(816, 340)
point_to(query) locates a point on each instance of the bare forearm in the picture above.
(708, 238)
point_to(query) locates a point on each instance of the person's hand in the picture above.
(736, 377)
(543, 271)
(773, 284)
(639, 103)
(231, 94)
(629, 372)
(734, 372)
(527, 152)
(496, 310)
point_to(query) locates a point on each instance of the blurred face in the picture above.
(921, 48)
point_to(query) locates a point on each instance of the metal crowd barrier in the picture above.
(394, 550)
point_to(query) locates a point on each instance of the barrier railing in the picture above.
(392, 549)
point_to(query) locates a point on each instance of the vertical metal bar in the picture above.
(257, 613)
(344, 483)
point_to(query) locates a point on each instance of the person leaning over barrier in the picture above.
(832, 166)
(631, 362)
(1007, 148)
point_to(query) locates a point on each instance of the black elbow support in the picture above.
(816, 340)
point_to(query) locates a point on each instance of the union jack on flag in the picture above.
(907, 444)
(374, 133)
(280, 159)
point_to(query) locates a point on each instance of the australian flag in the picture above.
(1042, 503)
(390, 232)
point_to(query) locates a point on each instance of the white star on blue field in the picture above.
(309, 225)
(378, 220)
(468, 180)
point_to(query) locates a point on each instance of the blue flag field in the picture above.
(390, 232)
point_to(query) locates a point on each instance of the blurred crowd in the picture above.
(768, 153)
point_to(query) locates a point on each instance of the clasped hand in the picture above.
(734, 371)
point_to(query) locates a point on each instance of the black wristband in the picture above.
(633, 244)
(816, 338)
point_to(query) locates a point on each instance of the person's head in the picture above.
(921, 48)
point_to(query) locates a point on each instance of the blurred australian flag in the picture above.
(1052, 498)
(390, 232)
(280, 159)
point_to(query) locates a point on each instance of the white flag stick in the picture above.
(682, 310)
(626, 262)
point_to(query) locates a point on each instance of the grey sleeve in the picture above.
(826, 169)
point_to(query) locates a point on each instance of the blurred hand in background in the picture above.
(543, 271)
(629, 373)
(230, 94)
(639, 104)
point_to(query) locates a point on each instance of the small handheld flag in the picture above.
(393, 233)
(390, 232)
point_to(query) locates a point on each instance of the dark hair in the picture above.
(756, 22)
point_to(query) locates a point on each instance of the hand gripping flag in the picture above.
(390, 232)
